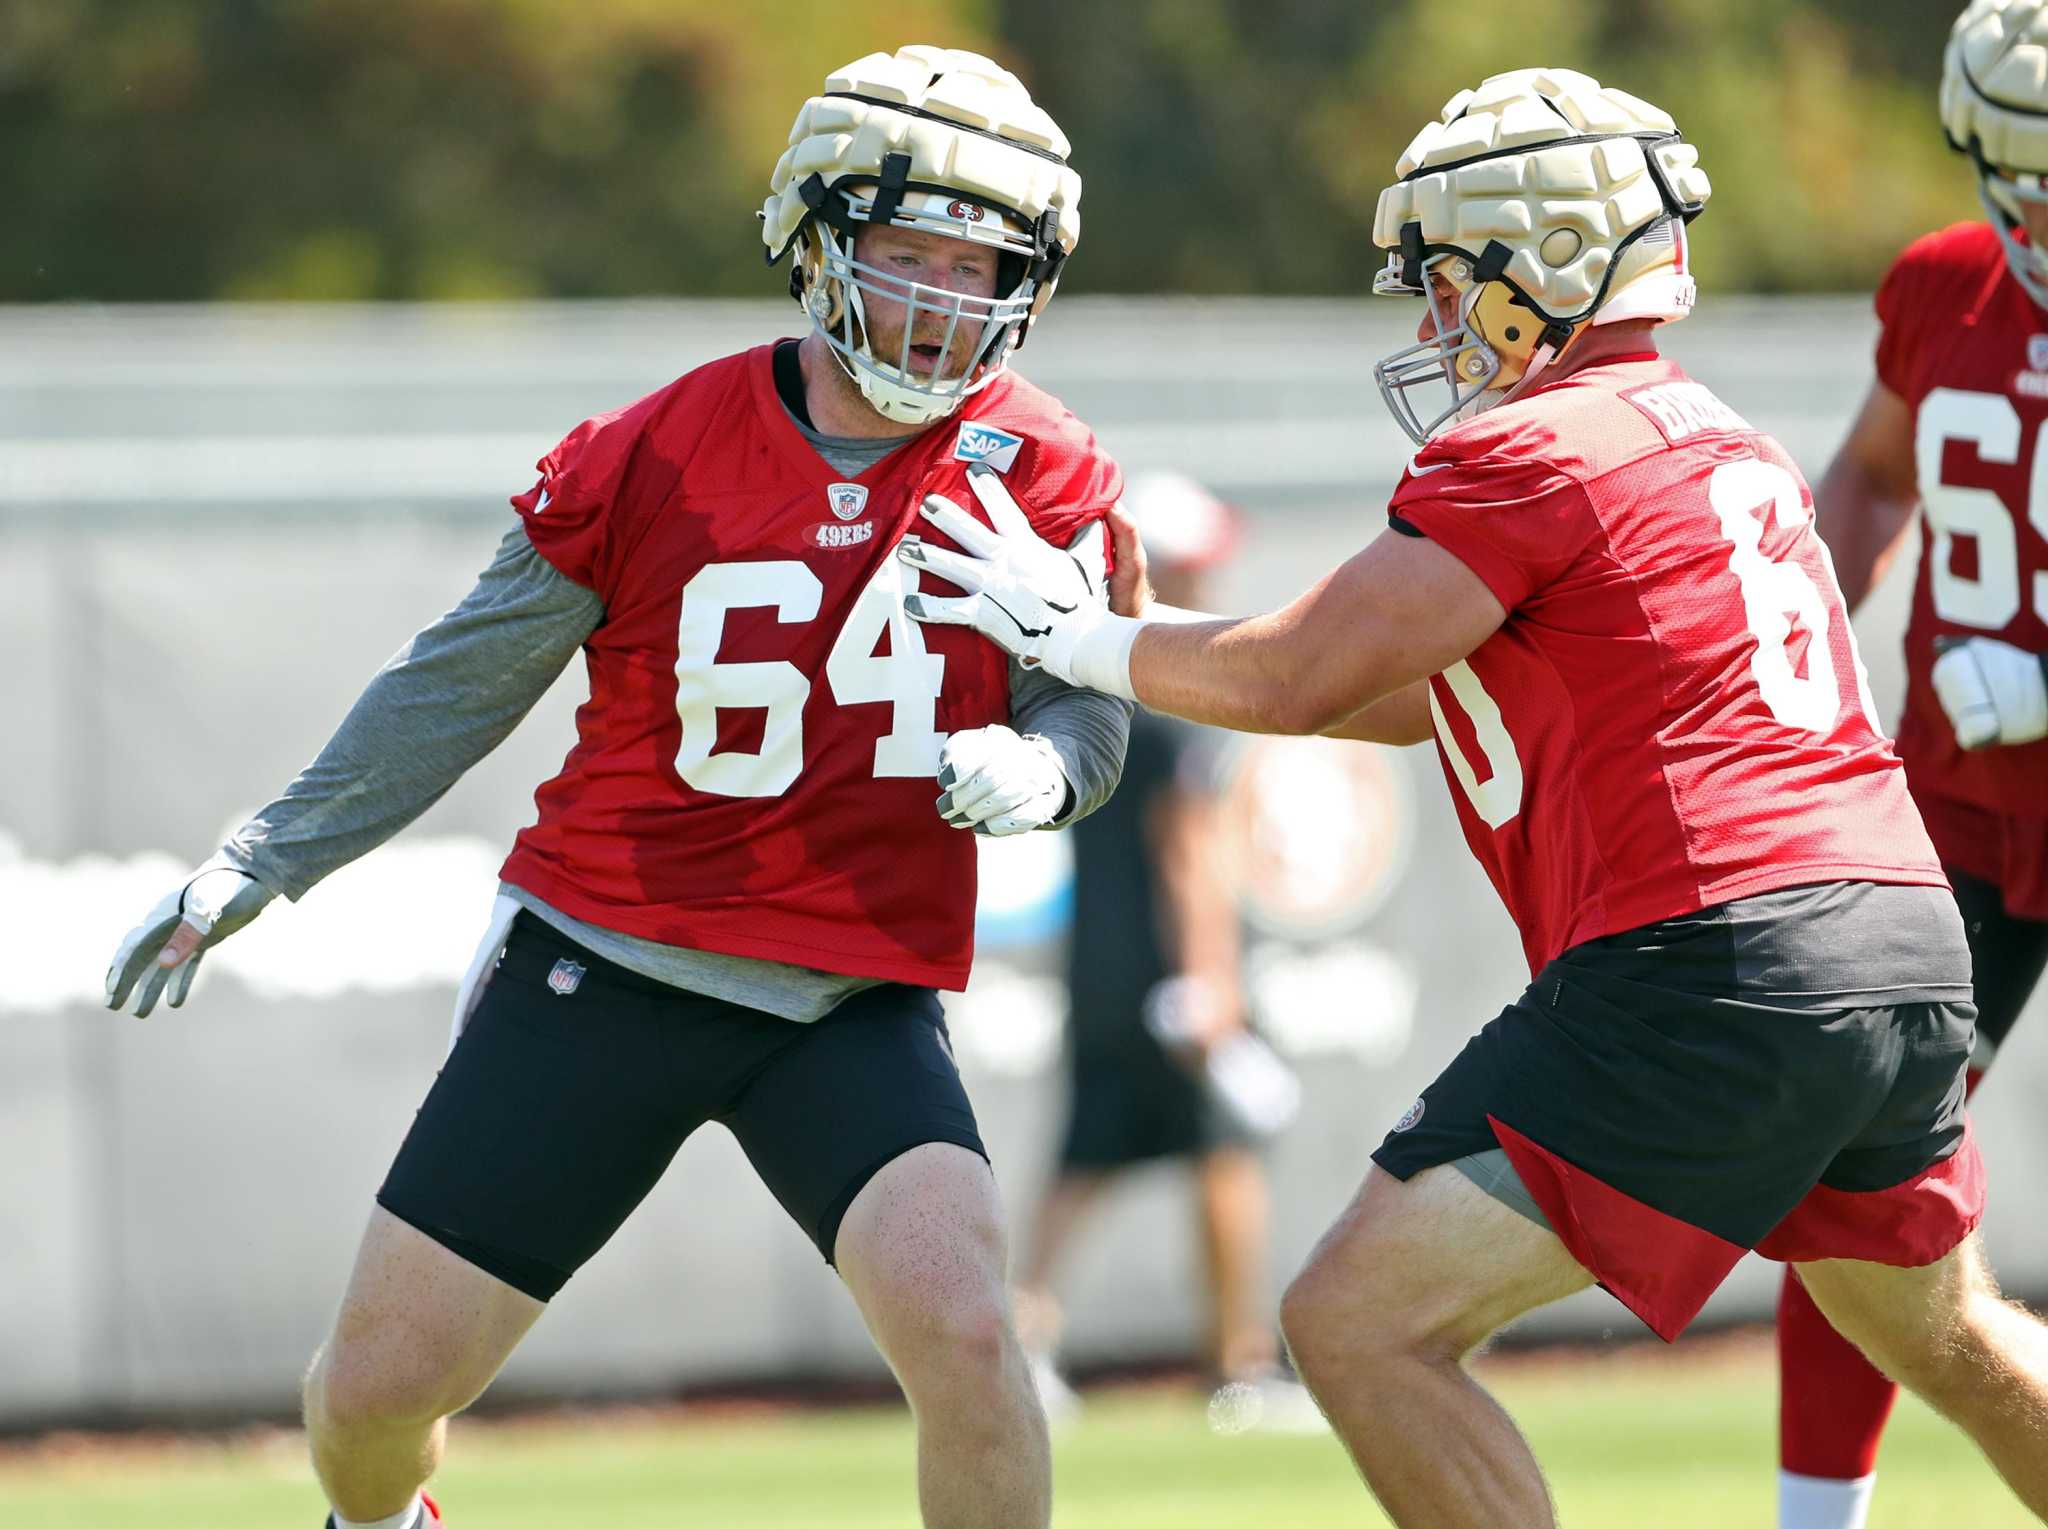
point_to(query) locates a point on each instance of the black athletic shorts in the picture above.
(1670, 1100)
(1134, 1103)
(557, 1111)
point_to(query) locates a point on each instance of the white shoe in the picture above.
(1289, 1408)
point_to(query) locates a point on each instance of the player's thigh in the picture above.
(2007, 956)
(421, 1330)
(1906, 1319)
(1431, 1261)
(848, 1096)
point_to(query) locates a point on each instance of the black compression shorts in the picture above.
(558, 1111)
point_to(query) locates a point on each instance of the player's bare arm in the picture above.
(1863, 504)
(1398, 612)
(1400, 719)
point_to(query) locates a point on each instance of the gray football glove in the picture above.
(217, 900)
(1993, 692)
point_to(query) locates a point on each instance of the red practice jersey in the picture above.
(1968, 351)
(754, 769)
(1673, 714)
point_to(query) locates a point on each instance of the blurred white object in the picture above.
(1251, 1081)
(1060, 1400)
(1270, 1403)
(1182, 524)
(1244, 1075)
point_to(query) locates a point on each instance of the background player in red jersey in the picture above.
(738, 897)
(1604, 597)
(1953, 422)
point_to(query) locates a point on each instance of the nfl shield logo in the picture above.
(565, 977)
(2037, 353)
(847, 499)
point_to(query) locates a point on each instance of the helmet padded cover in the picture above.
(839, 138)
(1994, 83)
(1602, 190)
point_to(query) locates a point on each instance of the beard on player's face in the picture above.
(926, 362)
(897, 259)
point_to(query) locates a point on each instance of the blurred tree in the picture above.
(439, 148)
(169, 149)
(1240, 145)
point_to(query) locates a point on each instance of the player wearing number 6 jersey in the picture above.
(1952, 425)
(1603, 595)
(739, 894)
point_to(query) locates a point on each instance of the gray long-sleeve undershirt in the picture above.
(456, 691)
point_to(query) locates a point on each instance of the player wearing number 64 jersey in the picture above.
(754, 867)
(1603, 595)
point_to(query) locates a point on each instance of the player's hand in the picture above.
(999, 783)
(1130, 587)
(164, 949)
(1032, 599)
(1993, 692)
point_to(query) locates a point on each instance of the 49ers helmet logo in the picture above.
(966, 212)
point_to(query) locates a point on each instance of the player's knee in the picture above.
(361, 1383)
(976, 1335)
(1302, 1319)
(952, 1341)
(1326, 1323)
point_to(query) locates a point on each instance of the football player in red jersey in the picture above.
(738, 898)
(1952, 422)
(1605, 599)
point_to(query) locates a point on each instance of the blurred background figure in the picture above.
(1160, 1062)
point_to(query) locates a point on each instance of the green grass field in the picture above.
(1681, 1440)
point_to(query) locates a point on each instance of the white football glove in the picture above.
(1045, 604)
(999, 782)
(216, 901)
(1993, 692)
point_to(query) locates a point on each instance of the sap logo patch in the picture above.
(985, 443)
(848, 500)
(566, 977)
(831, 537)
